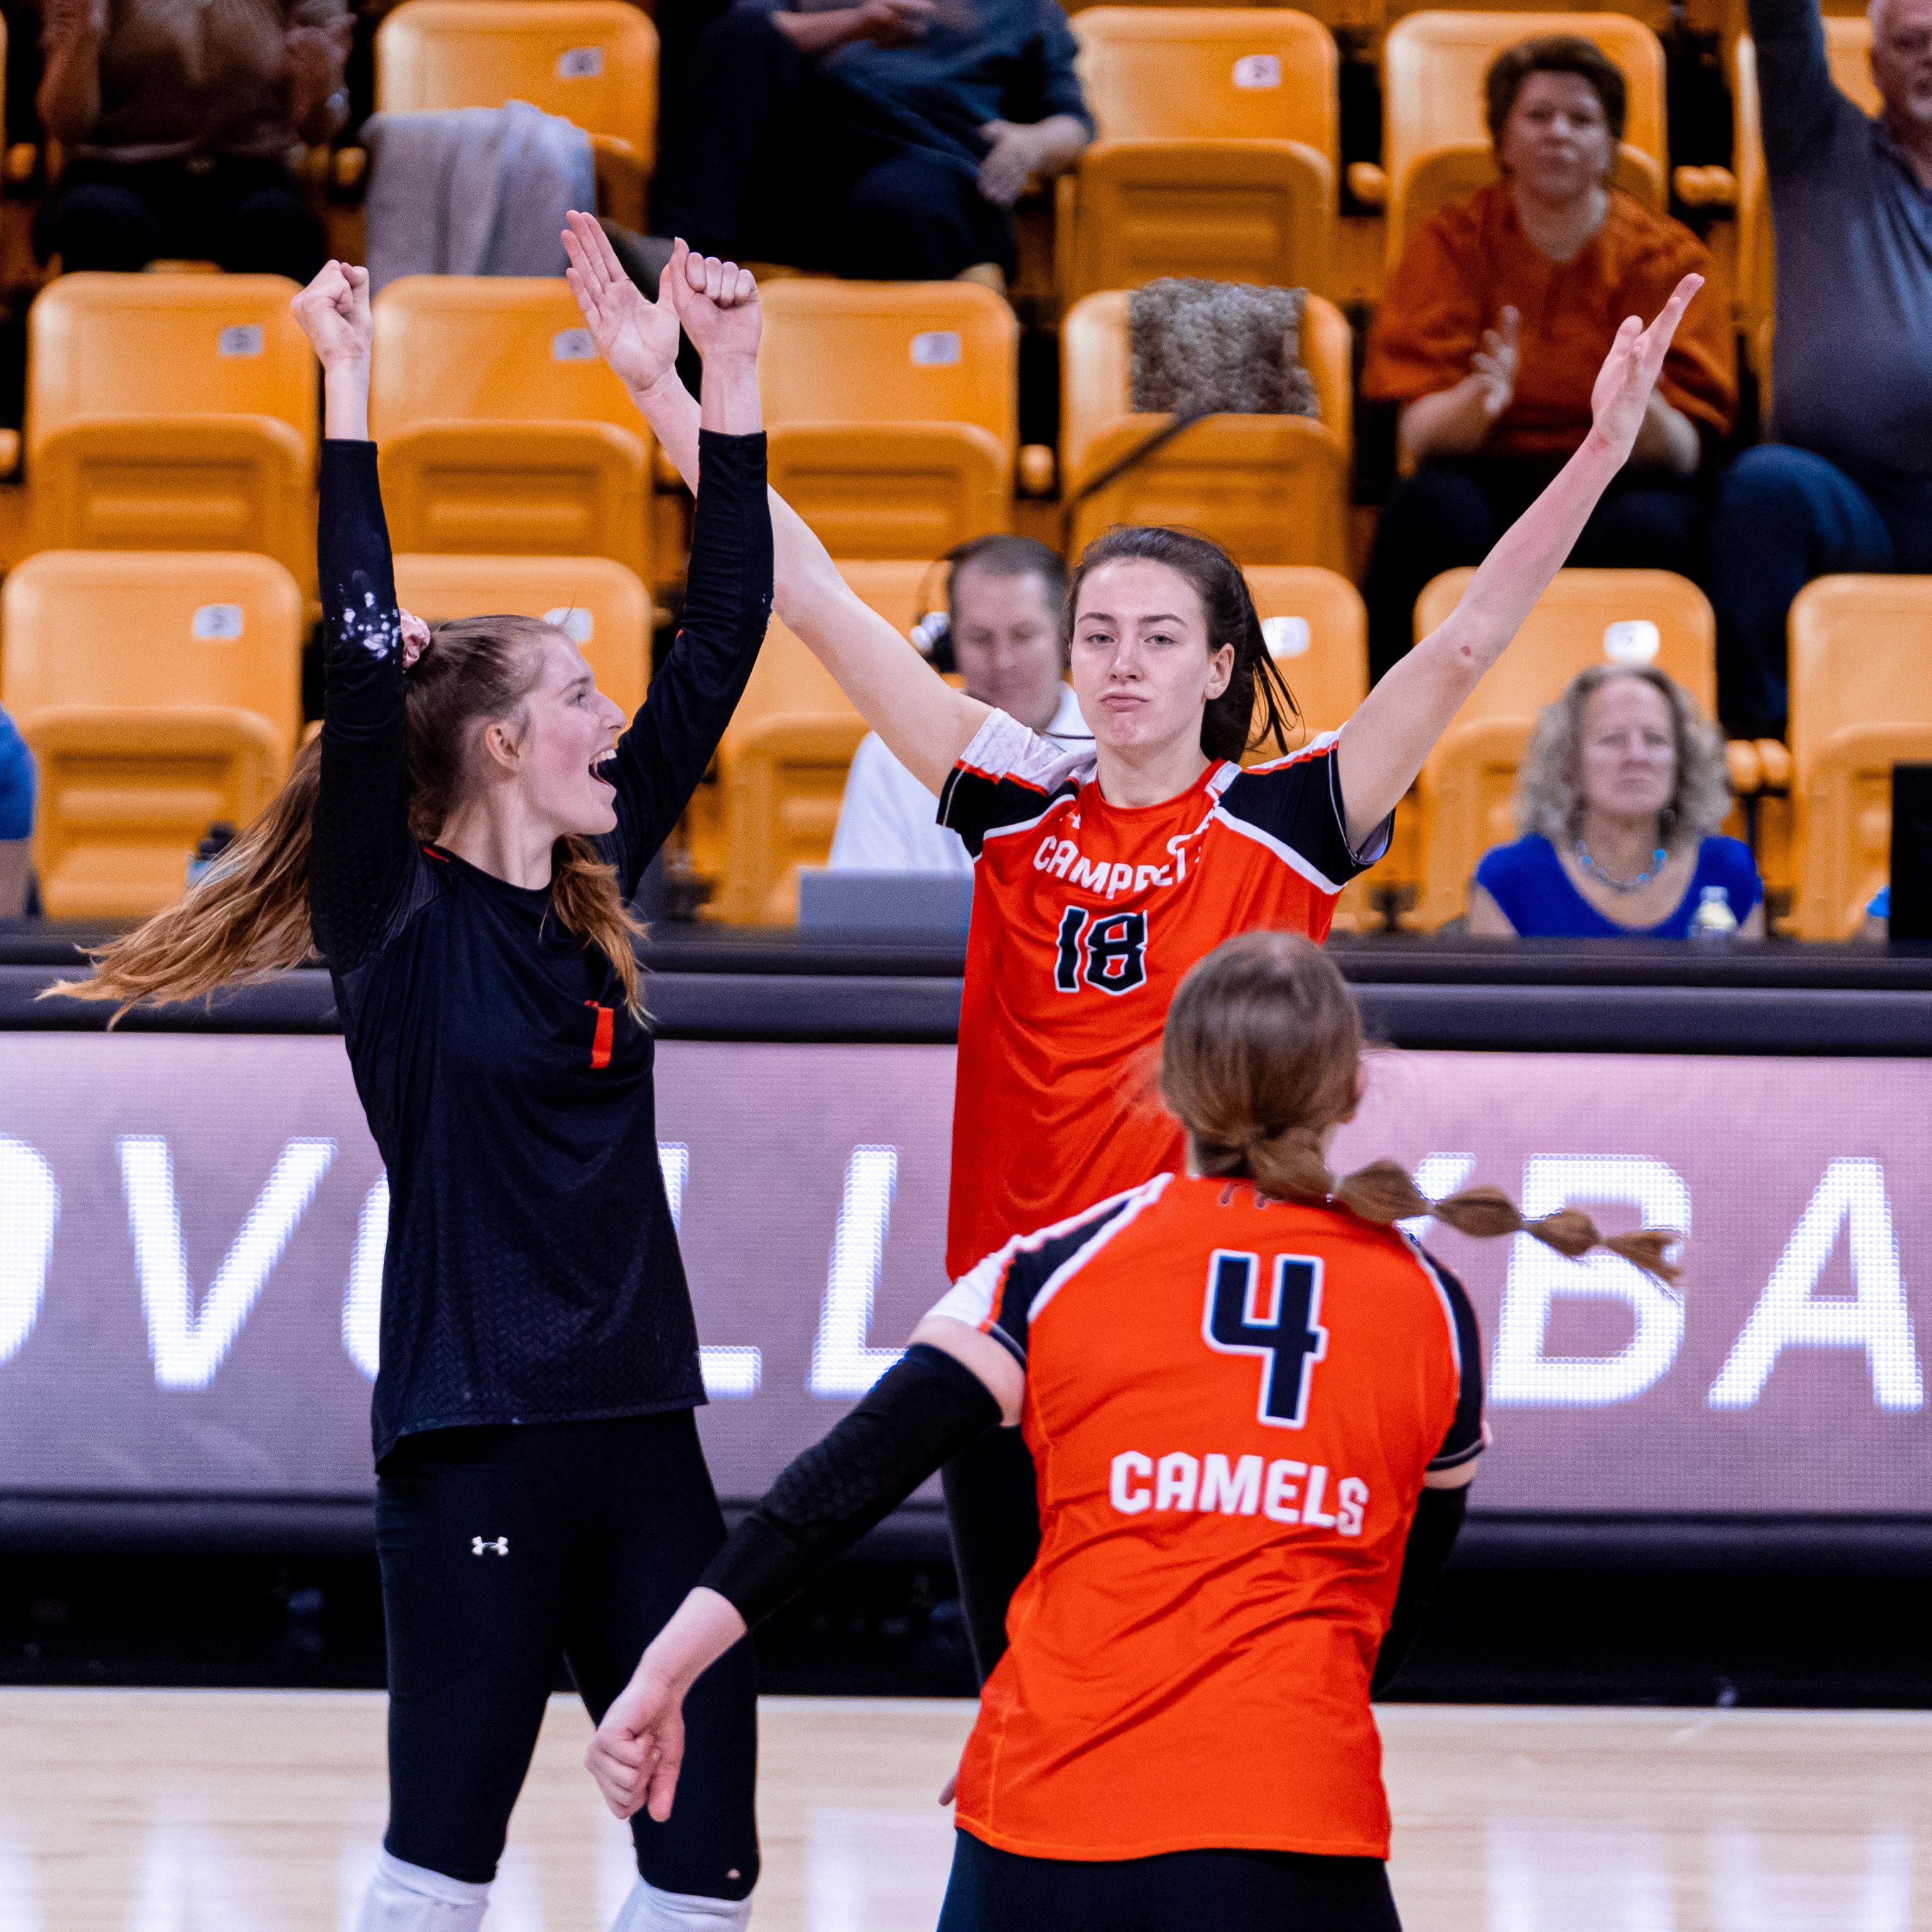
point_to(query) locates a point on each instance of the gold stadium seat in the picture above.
(1219, 142)
(595, 62)
(502, 432)
(171, 412)
(1318, 635)
(1848, 49)
(160, 692)
(1861, 702)
(891, 410)
(601, 604)
(784, 757)
(1435, 143)
(1274, 489)
(1586, 617)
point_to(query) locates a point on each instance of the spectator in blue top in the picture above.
(886, 140)
(16, 818)
(1621, 794)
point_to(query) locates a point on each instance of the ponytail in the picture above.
(247, 917)
(1261, 1057)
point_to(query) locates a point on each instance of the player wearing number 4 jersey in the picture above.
(1068, 973)
(1255, 1405)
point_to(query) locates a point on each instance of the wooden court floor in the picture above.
(167, 1811)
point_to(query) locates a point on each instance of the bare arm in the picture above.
(925, 722)
(886, 23)
(1383, 746)
(69, 100)
(1487, 920)
(14, 855)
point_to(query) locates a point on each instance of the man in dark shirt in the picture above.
(886, 139)
(1846, 484)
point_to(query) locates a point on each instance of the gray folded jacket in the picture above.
(473, 191)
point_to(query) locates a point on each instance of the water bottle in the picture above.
(1714, 918)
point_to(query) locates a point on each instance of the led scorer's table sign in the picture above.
(191, 1230)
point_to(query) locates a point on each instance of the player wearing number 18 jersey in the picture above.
(1087, 915)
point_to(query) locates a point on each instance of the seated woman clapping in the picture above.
(1620, 797)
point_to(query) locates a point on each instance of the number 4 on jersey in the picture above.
(1287, 1334)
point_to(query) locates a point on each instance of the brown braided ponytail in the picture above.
(1262, 1056)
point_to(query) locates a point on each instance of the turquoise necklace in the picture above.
(1657, 859)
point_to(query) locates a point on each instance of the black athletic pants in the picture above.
(504, 1549)
(994, 1891)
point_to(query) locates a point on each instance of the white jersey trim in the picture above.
(1296, 862)
(972, 1297)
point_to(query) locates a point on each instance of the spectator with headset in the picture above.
(1005, 634)
(16, 818)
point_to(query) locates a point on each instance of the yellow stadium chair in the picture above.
(1848, 49)
(1435, 143)
(892, 411)
(595, 62)
(160, 692)
(1585, 617)
(171, 412)
(784, 757)
(502, 431)
(1274, 489)
(1318, 635)
(1219, 142)
(1861, 702)
(601, 604)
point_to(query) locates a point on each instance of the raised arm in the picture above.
(1383, 746)
(1800, 103)
(951, 1385)
(362, 850)
(925, 722)
(728, 604)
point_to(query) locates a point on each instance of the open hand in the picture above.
(637, 338)
(1008, 164)
(333, 312)
(1497, 362)
(1623, 384)
(639, 1747)
(716, 301)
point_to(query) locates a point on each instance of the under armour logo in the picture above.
(478, 1544)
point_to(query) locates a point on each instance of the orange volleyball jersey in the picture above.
(1085, 916)
(1232, 1402)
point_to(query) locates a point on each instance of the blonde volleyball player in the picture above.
(459, 844)
(1254, 1405)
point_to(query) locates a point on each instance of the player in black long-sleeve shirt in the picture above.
(541, 1488)
(459, 844)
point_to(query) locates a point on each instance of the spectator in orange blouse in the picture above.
(1493, 326)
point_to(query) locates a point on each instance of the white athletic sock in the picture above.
(648, 1910)
(411, 1898)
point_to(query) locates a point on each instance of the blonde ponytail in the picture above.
(1261, 1057)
